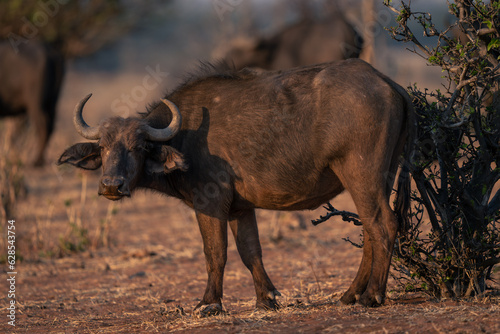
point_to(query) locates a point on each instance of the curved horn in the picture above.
(170, 131)
(81, 127)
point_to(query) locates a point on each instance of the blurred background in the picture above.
(111, 48)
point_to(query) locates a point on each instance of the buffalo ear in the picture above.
(82, 155)
(166, 160)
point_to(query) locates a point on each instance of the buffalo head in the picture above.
(128, 149)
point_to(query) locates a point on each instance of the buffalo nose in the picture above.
(113, 185)
(112, 182)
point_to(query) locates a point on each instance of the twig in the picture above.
(346, 216)
(353, 243)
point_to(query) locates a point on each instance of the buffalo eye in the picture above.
(102, 150)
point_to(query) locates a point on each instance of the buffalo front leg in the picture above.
(214, 235)
(246, 234)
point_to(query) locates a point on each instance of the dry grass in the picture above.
(54, 225)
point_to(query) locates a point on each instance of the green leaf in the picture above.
(433, 59)
(494, 43)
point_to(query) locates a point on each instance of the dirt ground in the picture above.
(141, 269)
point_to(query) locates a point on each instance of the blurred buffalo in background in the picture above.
(32, 74)
(309, 41)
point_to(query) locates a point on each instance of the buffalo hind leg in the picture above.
(383, 235)
(359, 284)
(380, 228)
(370, 189)
(246, 234)
(214, 235)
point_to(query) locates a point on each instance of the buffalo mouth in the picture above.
(114, 196)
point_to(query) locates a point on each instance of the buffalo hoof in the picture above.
(209, 310)
(349, 298)
(270, 302)
(371, 300)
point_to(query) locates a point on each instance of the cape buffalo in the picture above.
(31, 80)
(305, 43)
(229, 142)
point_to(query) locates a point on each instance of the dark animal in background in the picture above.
(305, 43)
(230, 142)
(31, 81)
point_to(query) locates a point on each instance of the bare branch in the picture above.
(485, 31)
(346, 216)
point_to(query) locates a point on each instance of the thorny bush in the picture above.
(453, 241)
